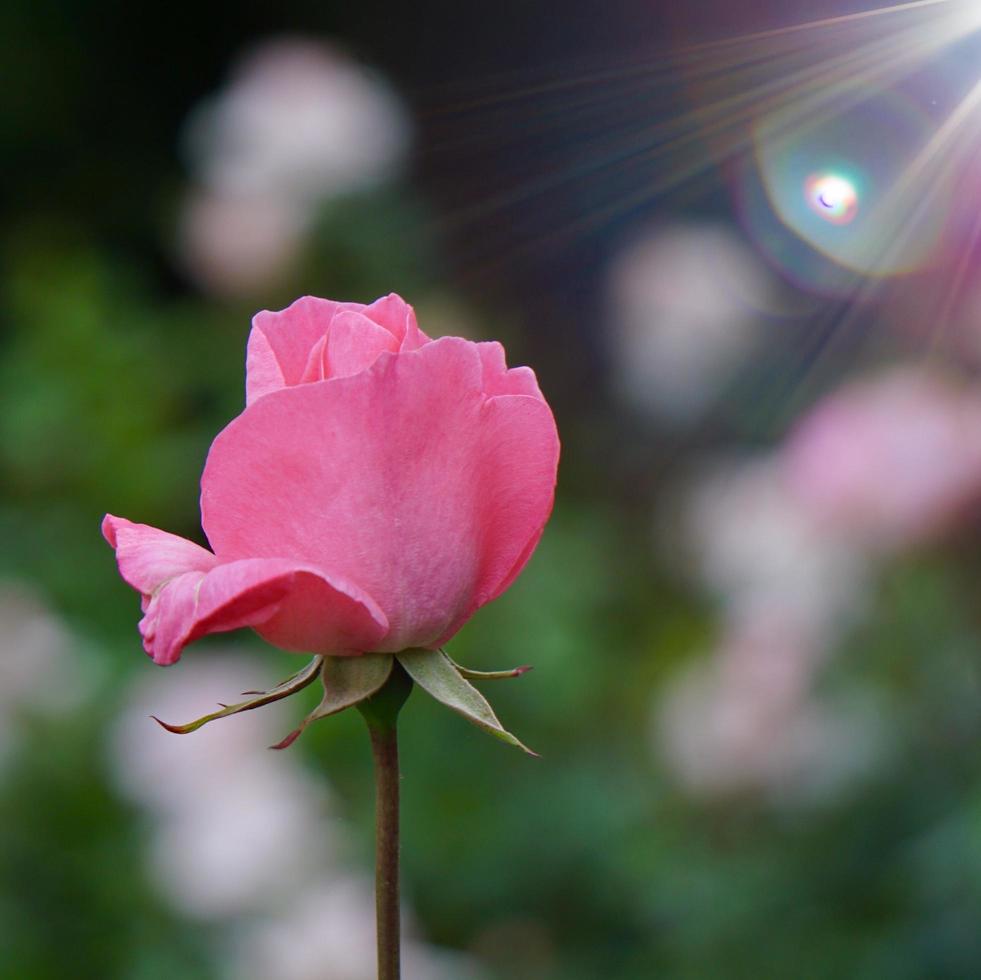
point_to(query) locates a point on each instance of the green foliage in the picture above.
(73, 897)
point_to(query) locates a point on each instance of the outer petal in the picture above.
(149, 557)
(404, 478)
(293, 606)
(520, 455)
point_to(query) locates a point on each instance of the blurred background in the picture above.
(739, 245)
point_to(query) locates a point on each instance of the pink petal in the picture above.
(293, 606)
(398, 318)
(423, 490)
(281, 341)
(520, 456)
(354, 343)
(287, 347)
(498, 380)
(148, 557)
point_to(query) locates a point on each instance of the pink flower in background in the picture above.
(748, 719)
(893, 459)
(378, 489)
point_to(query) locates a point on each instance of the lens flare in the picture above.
(832, 197)
(847, 182)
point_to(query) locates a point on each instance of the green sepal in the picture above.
(487, 675)
(282, 690)
(436, 674)
(347, 682)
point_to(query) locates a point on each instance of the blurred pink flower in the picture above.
(377, 490)
(746, 719)
(892, 459)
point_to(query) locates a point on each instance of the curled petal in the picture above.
(149, 557)
(293, 606)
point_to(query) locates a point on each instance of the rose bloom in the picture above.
(378, 489)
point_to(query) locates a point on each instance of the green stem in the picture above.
(381, 714)
(384, 745)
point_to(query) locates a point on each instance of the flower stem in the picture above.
(381, 714)
(384, 745)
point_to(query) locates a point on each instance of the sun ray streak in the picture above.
(825, 22)
(825, 87)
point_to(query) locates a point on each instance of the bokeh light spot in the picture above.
(833, 197)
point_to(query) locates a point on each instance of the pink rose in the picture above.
(378, 489)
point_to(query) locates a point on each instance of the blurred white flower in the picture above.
(236, 245)
(889, 460)
(171, 772)
(299, 120)
(259, 834)
(237, 826)
(788, 543)
(40, 672)
(37, 668)
(330, 932)
(299, 123)
(685, 309)
(762, 552)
